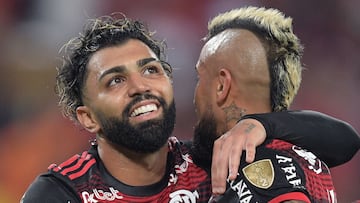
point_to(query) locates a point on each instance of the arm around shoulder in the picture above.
(332, 140)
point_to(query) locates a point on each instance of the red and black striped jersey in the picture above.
(83, 178)
(281, 171)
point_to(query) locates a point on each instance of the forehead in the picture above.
(123, 54)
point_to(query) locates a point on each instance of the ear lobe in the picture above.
(223, 86)
(86, 119)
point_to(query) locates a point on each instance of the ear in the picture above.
(223, 85)
(86, 119)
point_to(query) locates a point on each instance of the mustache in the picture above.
(139, 98)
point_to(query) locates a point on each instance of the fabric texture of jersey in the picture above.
(86, 180)
(281, 171)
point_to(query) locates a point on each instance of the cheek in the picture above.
(167, 91)
(109, 101)
(197, 98)
(196, 95)
(112, 105)
(195, 101)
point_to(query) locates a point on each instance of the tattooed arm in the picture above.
(311, 130)
(317, 132)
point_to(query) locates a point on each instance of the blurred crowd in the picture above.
(34, 134)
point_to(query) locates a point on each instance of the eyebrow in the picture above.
(120, 69)
(144, 61)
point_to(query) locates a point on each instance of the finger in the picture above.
(214, 169)
(234, 159)
(238, 145)
(219, 168)
(256, 135)
(250, 152)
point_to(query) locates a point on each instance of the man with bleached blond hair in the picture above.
(250, 64)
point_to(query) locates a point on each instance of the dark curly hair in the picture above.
(99, 33)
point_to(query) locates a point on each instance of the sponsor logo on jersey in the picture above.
(260, 173)
(287, 165)
(183, 196)
(100, 195)
(314, 163)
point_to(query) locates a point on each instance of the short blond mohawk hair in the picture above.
(284, 50)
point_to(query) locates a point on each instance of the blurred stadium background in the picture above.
(34, 134)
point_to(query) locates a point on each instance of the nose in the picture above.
(137, 85)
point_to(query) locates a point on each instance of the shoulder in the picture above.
(74, 167)
(47, 188)
(274, 173)
(282, 169)
(273, 167)
(57, 185)
(307, 160)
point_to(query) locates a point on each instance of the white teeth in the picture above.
(144, 109)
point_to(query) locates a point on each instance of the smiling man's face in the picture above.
(130, 97)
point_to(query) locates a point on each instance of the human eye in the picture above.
(153, 68)
(115, 80)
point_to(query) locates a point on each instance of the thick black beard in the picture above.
(145, 137)
(205, 133)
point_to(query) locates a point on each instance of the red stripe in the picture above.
(82, 171)
(73, 168)
(291, 196)
(84, 156)
(66, 163)
(53, 166)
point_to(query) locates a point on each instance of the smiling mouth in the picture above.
(144, 110)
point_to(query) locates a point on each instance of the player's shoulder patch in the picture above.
(260, 173)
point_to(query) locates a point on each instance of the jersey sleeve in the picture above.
(47, 188)
(314, 131)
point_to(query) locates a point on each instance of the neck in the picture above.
(235, 110)
(131, 168)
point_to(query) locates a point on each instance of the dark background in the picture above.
(34, 134)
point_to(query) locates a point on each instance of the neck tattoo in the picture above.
(233, 112)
